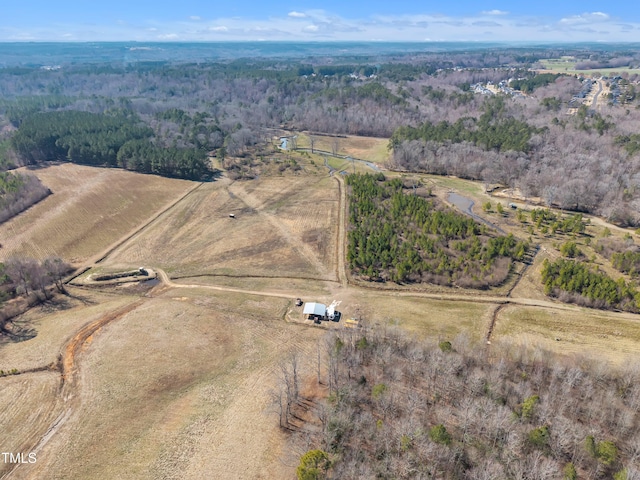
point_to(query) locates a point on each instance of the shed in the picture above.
(316, 309)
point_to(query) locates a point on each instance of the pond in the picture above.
(466, 206)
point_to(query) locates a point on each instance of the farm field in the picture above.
(366, 148)
(283, 227)
(561, 65)
(90, 208)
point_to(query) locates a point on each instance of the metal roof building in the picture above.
(315, 309)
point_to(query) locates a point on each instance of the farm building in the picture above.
(315, 310)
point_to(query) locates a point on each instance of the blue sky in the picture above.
(390, 20)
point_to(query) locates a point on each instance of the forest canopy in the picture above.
(103, 140)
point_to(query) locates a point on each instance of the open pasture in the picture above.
(90, 209)
(606, 336)
(366, 148)
(283, 227)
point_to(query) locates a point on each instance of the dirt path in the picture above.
(342, 232)
(162, 275)
(74, 346)
(490, 299)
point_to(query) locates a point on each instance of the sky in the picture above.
(314, 20)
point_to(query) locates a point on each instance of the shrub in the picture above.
(378, 390)
(569, 472)
(527, 407)
(570, 249)
(439, 434)
(313, 465)
(607, 452)
(539, 437)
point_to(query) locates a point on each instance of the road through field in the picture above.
(342, 232)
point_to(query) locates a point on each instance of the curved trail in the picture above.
(67, 366)
(500, 300)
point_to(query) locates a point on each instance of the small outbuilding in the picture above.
(315, 310)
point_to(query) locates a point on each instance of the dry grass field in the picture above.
(598, 335)
(179, 388)
(283, 227)
(427, 318)
(89, 210)
(29, 406)
(365, 148)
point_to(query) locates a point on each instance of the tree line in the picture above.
(26, 276)
(406, 238)
(18, 192)
(576, 282)
(528, 85)
(492, 131)
(104, 140)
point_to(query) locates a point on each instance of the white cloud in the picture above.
(484, 23)
(594, 17)
(220, 28)
(495, 12)
(311, 28)
(169, 36)
(195, 18)
(297, 14)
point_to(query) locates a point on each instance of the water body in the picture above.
(466, 205)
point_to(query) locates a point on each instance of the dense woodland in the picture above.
(103, 140)
(398, 407)
(586, 162)
(406, 238)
